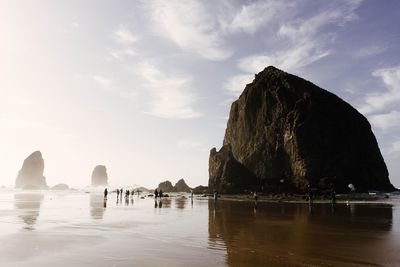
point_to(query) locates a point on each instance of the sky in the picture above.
(145, 87)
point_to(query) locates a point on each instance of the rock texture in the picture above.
(284, 131)
(166, 186)
(181, 186)
(99, 176)
(31, 174)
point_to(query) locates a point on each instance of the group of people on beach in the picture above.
(120, 193)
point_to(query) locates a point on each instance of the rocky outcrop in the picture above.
(166, 186)
(285, 132)
(60, 187)
(227, 175)
(181, 186)
(99, 176)
(201, 190)
(31, 174)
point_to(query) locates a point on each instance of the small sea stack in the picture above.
(99, 176)
(31, 174)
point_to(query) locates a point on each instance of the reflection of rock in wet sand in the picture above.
(286, 234)
(97, 206)
(180, 203)
(28, 206)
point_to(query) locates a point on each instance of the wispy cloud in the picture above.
(370, 51)
(190, 26)
(171, 98)
(102, 81)
(124, 36)
(304, 40)
(252, 17)
(235, 84)
(386, 121)
(377, 101)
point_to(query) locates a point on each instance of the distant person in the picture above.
(120, 192)
(117, 193)
(132, 192)
(333, 197)
(191, 194)
(310, 195)
(215, 195)
(156, 193)
(127, 193)
(255, 196)
(160, 194)
(105, 193)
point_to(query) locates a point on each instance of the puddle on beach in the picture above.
(77, 229)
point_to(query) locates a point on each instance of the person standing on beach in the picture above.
(310, 195)
(160, 194)
(105, 193)
(117, 193)
(255, 196)
(333, 197)
(156, 193)
(120, 193)
(215, 195)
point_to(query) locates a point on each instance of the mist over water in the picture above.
(80, 229)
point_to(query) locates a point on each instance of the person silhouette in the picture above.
(105, 193)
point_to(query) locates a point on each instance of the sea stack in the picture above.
(166, 186)
(181, 186)
(99, 176)
(31, 174)
(285, 133)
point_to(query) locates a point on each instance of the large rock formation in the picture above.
(99, 176)
(181, 186)
(285, 132)
(31, 174)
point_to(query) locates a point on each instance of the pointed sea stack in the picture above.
(31, 174)
(285, 133)
(99, 176)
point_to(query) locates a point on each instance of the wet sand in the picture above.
(77, 229)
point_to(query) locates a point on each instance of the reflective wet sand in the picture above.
(77, 229)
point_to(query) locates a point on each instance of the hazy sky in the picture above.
(145, 87)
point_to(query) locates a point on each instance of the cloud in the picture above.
(375, 102)
(291, 60)
(395, 147)
(370, 51)
(252, 17)
(304, 40)
(124, 36)
(236, 84)
(171, 99)
(102, 81)
(190, 26)
(385, 121)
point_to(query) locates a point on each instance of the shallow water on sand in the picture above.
(77, 229)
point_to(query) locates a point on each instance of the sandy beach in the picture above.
(78, 229)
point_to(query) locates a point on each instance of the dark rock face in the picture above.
(31, 174)
(227, 175)
(288, 132)
(181, 186)
(99, 176)
(166, 186)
